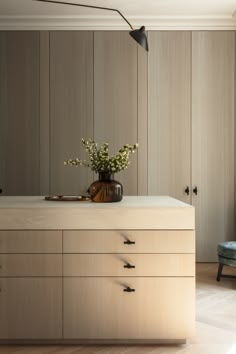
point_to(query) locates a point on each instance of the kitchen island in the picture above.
(91, 272)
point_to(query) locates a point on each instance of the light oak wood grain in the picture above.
(158, 213)
(145, 313)
(30, 265)
(28, 241)
(71, 108)
(169, 114)
(19, 111)
(112, 265)
(30, 308)
(215, 325)
(213, 139)
(115, 97)
(112, 241)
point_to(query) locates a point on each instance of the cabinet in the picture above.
(116, 101)
(30, 308)
(19, 112)
(213, 161)
(191, 111)
(169, 107)
(112, 272)
(131, 273)
(71, 108)
(30, 284)
(115, 314)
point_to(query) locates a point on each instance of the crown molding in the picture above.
(116, 23)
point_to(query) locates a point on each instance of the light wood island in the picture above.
(88, 272)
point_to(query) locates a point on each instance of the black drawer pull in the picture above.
(128, 289)
(129, 266)
(187, 190)
(128, 242)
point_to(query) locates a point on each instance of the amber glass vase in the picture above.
(106, 189)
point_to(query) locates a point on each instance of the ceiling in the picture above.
(218, 11)
(129, 8)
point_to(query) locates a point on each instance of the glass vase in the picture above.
(106, 189)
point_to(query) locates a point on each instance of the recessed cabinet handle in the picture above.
(129, 266)
(128, 242)
(128, 289)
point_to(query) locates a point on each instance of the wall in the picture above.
(177, 102)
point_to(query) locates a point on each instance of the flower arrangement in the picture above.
(99, 159)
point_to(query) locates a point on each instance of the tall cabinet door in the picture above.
(71, 108)
(115, 97)
(19, 113)
(213, 62)
(169, 109)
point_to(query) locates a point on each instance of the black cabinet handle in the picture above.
(128, 289)
(187, 190)
(128, 242)
(195, 190)
(0, 190)
(129, 266)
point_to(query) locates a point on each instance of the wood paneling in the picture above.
(19, 112)
(145, 313)
(145, 241)
(142, 121)
(44, 132)
(31, 308)
(115, 97)
(71, 108)
(169, 114)
(213, 139)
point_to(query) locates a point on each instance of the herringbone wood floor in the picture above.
(216, 324)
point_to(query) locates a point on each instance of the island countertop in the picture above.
(133, 212)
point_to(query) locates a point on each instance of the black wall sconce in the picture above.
(138, 34)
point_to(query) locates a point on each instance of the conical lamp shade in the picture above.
(140, 36)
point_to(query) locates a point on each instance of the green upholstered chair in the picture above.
(227, 256)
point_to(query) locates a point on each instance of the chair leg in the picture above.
(220, 268)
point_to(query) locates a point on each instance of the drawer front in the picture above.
(122, 241)
(99, 308)
(30, 241)
(128, 265)
(31, 308)
(27, 265)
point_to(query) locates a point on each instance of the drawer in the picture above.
(122, 241)
(128, 265)
(26, 265)
(30, 241)
(30, 308)
(99, 308)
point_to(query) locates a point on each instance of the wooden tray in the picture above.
(68, 198)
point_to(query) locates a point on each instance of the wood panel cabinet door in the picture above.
(213, 94)
(115, 97)
(99, 308)
(19, 113)
(31, 308)
(169, 114)
(71, 108)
